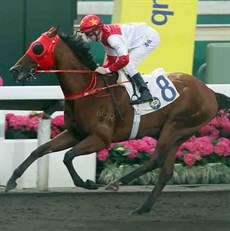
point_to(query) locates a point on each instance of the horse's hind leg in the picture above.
(166, 173)
(60, 142)
(156, 161)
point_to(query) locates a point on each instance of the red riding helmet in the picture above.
(90, 23)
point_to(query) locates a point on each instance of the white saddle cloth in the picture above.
(161, 88)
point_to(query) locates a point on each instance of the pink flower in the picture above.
(143, 146)
(214, 132)
(58, 121)
(1, 81)
(221, 122)
(206, 130)
(9, 115)
(226, 127)
(54, 132)
(179, 154)
(103, 154)
(209, 130)
(150, 141)
(215, 122)
(204, 145)
(132, 144)
(201, 145)
(133, 154)
(190, 159)
(17, 122)
(111, 146)
(33, 123)
(146, 144)
(152, 151)
(189, 145)
(222, 148)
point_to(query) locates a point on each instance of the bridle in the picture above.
(42, 52)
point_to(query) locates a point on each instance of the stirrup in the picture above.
(142, 99)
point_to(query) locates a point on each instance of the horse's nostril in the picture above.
(14, 72)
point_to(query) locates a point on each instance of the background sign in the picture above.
(175, 20)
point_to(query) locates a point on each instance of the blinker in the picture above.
(42, 51)
(37, 48)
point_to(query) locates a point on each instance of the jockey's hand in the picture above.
(101, 70)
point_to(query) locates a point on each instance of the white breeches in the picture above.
(138, 54)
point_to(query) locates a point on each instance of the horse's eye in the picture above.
(37, 48)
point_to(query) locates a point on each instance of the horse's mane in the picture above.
(80, 49)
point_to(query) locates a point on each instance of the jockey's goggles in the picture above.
(90, 34)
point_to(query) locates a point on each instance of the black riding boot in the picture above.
(143, 89)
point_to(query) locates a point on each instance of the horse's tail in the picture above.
(223, 101)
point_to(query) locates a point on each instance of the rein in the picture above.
(59, 71)
(42, 50)
(90, 90)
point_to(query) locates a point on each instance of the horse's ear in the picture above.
(58, 27)
(53, 30)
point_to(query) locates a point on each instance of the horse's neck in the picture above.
(73, 82)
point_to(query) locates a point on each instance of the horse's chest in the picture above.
(76, 123)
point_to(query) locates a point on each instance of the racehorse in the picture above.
(88, 98)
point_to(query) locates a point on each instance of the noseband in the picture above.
(44, 56)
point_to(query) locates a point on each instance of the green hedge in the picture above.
(208, 174)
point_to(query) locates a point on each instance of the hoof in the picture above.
(10, 186)
(139, 211)
(89, 184)
(113, 186)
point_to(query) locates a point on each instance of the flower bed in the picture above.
(210, 144)
(26, 127)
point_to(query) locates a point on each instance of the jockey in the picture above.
(126, 47)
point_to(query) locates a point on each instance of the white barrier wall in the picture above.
(13, 152)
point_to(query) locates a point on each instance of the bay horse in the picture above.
(87, 131)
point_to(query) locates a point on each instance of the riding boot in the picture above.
(143, 89)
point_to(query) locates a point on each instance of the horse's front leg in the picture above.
(60, 142)
(89, 145)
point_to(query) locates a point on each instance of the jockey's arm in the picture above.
(109, 60)
(115, 63)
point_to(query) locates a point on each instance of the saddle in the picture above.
(159, 85)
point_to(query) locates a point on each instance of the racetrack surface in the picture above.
(68, 211)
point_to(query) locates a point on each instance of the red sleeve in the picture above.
(109, 61)
(120, 63)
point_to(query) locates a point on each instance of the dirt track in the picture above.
(179, 211)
